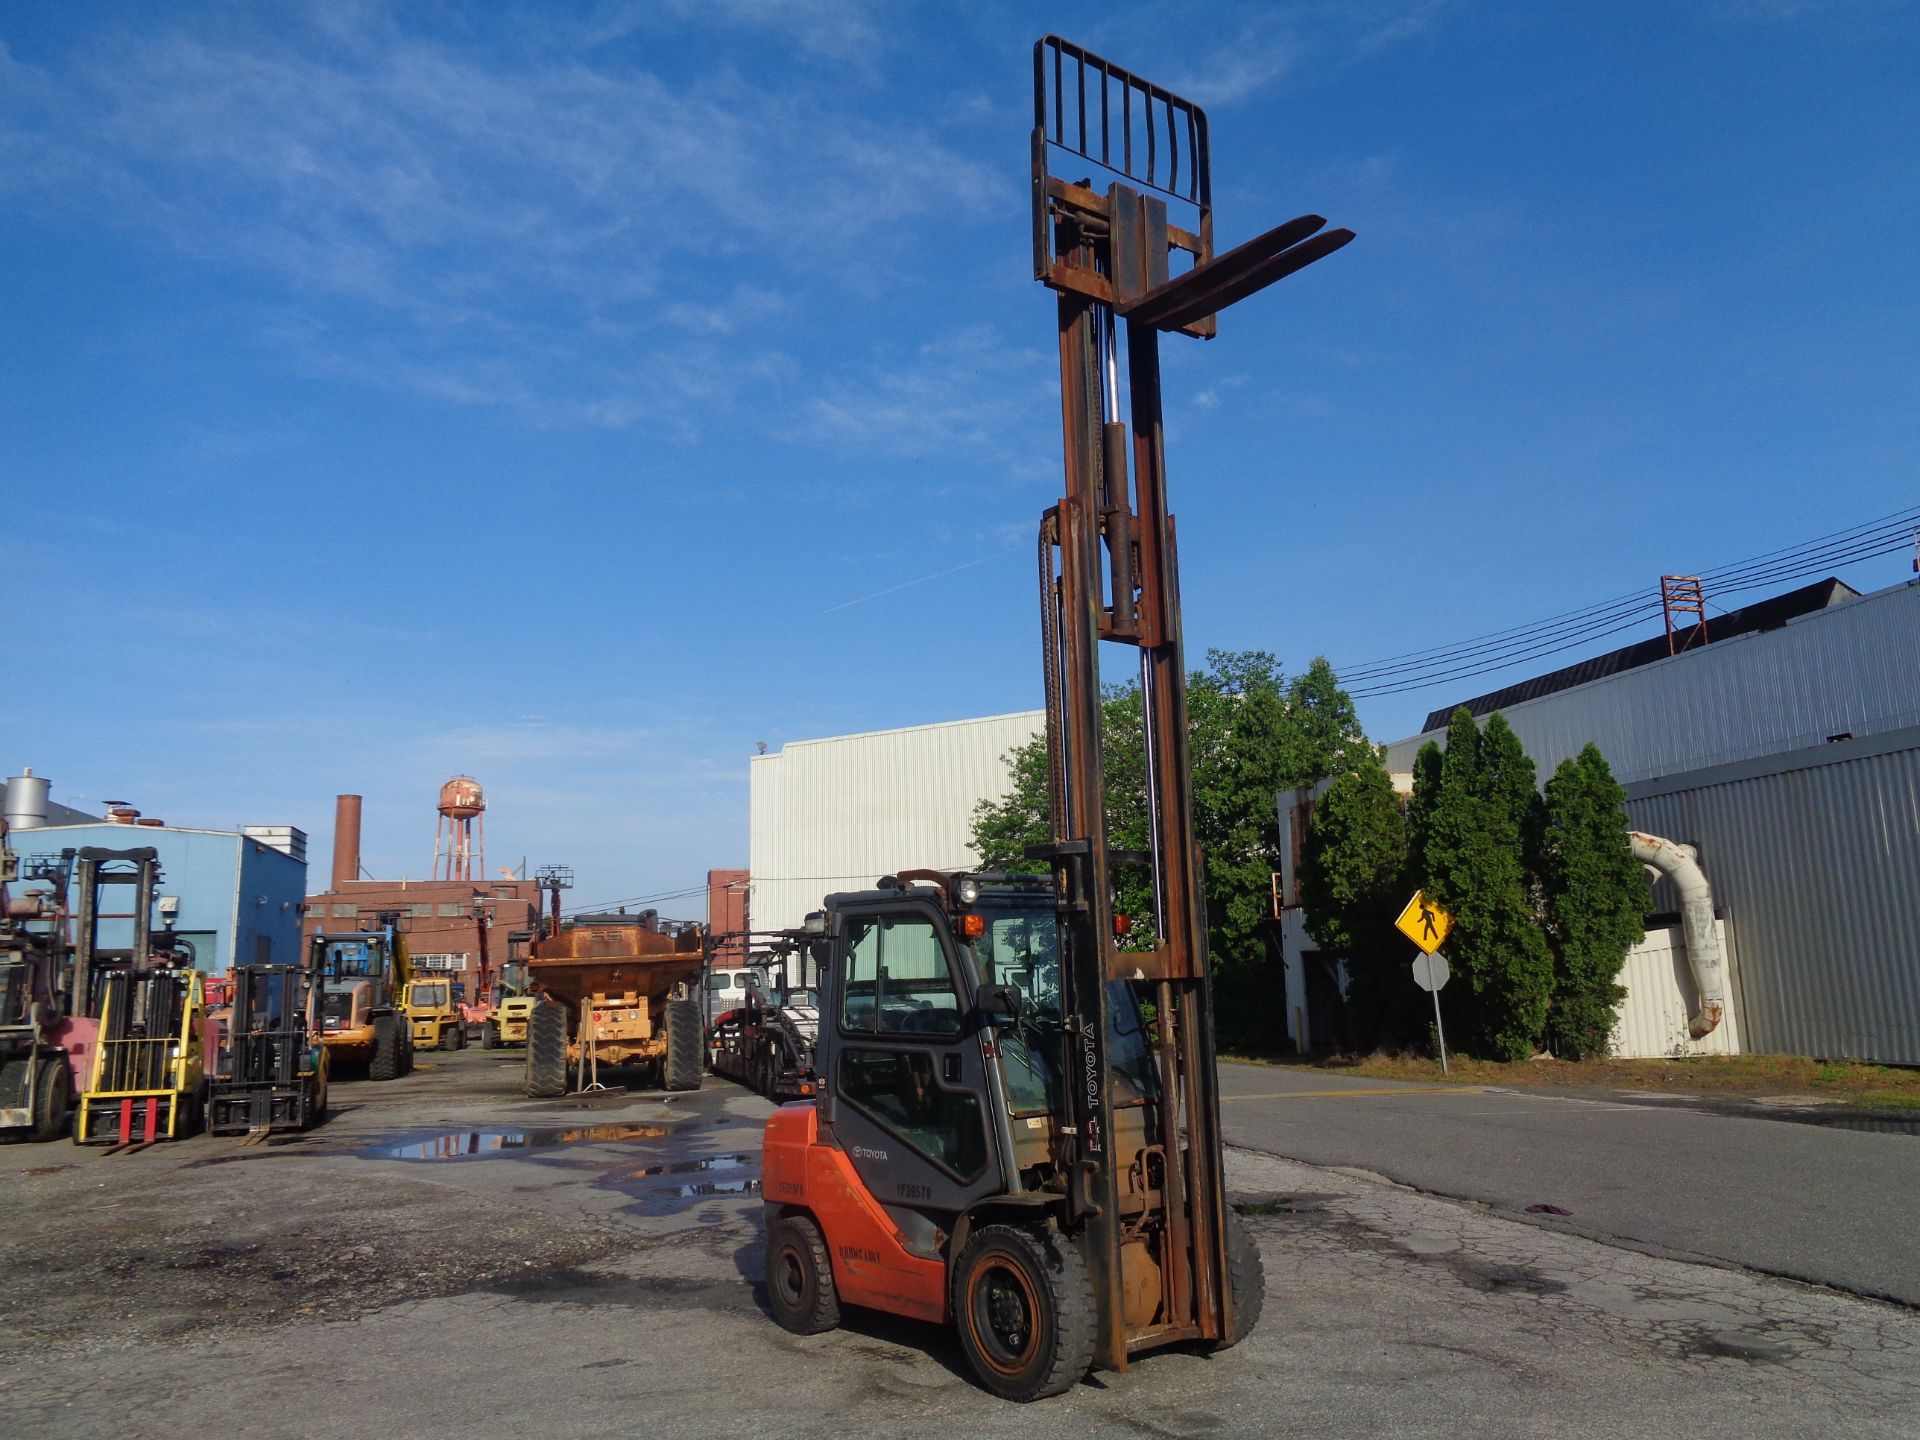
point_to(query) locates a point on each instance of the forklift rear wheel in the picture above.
(546, 1051)
(489, 1036)
(53, 1099)
(800, 1276)
(1246, 1281)
(1024, 1308)
(457, 1037)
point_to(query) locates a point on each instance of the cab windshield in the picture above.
(341, 959)
(1021, 947)
(429, 997)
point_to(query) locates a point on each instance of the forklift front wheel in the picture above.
(1024, 1307)
(1246, 1281)
(800, 1277)
(53, 1097)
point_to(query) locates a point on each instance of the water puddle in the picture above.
(691, 1167)
(671, 1199)
(474, 1144)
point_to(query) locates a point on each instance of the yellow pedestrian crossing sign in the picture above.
(1424, 923)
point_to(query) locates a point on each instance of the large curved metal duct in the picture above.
(1704, 955)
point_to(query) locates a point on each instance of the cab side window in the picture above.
(897, 980)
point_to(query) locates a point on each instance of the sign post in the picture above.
(1427, 925)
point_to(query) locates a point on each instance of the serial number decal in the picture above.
(908, 1191)
(791, 1187)
(859, 1253)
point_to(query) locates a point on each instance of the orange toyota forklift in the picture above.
(998, 1141)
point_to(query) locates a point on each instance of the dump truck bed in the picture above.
(610, 960)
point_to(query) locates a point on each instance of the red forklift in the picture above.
(37, 1081)
(1000, 1142)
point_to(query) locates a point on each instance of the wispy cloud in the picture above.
(909, 584)
(967, 390)
(1235, 72)
(522, 232)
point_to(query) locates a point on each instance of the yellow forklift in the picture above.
(147, 1078)
(1002, 1142)
(433, 1011)
(513, 1003)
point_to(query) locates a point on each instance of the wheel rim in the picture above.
(1005, 1315)
(789, 1277)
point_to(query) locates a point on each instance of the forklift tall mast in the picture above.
(1108, 572)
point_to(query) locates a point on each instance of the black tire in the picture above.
(681, 1069)
(457, 1036)
(546, 1051)
(194, 1120)
(53, 1101)
(800, 1289)
(1246, 1282)
(1023, 1305)
(489, 1036)
(384, 1064)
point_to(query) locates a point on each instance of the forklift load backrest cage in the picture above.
(1139, 132)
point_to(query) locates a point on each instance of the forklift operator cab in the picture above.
(933, 1138)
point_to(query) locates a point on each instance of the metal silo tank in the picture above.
(26, 807)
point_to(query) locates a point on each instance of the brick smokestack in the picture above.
(346, 840)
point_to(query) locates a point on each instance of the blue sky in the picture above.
(576, 395)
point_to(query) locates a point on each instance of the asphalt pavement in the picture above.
(444, 1257)
(1810, 1201)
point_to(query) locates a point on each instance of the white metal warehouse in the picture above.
(838, 813)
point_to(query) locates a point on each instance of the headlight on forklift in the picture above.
(968, 891)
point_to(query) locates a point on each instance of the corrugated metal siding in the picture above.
(1660, 995)
(837, 814)
(1817, 866)
(1849, 668)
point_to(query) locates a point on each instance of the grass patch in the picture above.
(1865, 1086)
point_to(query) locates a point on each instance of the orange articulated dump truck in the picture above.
(616, 990)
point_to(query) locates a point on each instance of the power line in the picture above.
(1499, 650)
(865, 876)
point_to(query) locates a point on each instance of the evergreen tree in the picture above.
(1351, 868)
(1426, 792)
(1477, 826)
(1596, 901)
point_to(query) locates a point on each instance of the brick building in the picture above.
(727, 913)
(440, 918)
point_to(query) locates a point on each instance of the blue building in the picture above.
(236, 897)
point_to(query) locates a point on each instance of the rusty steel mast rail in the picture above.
(1108, 571)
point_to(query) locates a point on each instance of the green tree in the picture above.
(1479, 825)
(1351, 882)
(1420, 807)
(1596, 900)
(1252, 733)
